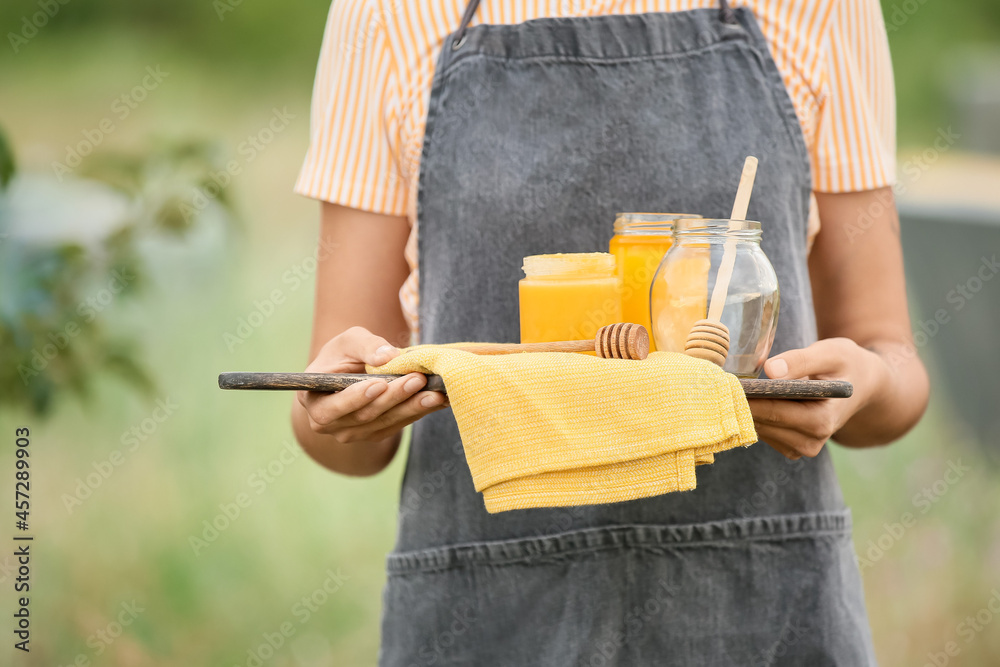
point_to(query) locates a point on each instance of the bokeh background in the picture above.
(132, 272)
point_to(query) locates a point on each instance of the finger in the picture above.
(769, 411)
(364, 346)
(777, 443)
(822, 358)
(354, 396)
(404, 414)
(789, 442)
(398, 391)
(327, 408)
(379, 435)
(815, 419)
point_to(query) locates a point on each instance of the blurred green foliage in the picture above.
(268, 37)
(923, 36)
(51, 290)
(273, 38)
(6, 161)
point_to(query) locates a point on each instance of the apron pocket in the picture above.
(780, 590)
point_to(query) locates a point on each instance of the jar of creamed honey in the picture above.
(568, 296)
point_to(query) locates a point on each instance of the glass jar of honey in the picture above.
(685, 279)
(567, 296)
(640, 242)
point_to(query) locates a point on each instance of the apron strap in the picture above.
(725, 15)
(470, 11)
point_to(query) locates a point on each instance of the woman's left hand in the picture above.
(801, 428)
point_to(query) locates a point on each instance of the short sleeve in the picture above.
(855, 148)
(353, 146)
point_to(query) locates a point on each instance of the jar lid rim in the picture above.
(574, 262)
(698, 224)
(650, 224)
(652, 214)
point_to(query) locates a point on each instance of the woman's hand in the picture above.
(360, 269)
(856, 272)
(801, 428)
(371, 410)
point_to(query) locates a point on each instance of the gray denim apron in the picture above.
(537, 134)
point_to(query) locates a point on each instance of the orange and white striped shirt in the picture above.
(378, 57)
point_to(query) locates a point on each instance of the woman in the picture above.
(445, 149)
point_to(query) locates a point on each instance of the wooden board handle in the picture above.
(797, 389)
(327, 382)
(330, 382)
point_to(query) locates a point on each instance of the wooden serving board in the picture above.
(330, 382)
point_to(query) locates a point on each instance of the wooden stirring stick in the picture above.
(709, 338)
(614, 341)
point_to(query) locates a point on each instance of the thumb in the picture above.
(364, 346)
(819, 359)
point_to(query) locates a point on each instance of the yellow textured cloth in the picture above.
(554, 429)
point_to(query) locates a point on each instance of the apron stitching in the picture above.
(461, 561)
(594, 60)
(727, 32)
(827, 524)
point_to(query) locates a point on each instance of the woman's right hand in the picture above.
(360, 268)
(372, 410)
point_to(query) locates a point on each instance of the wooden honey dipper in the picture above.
(614, 341)
(709, 338)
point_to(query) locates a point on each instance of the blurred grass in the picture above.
(130, 539)
(922, 41)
